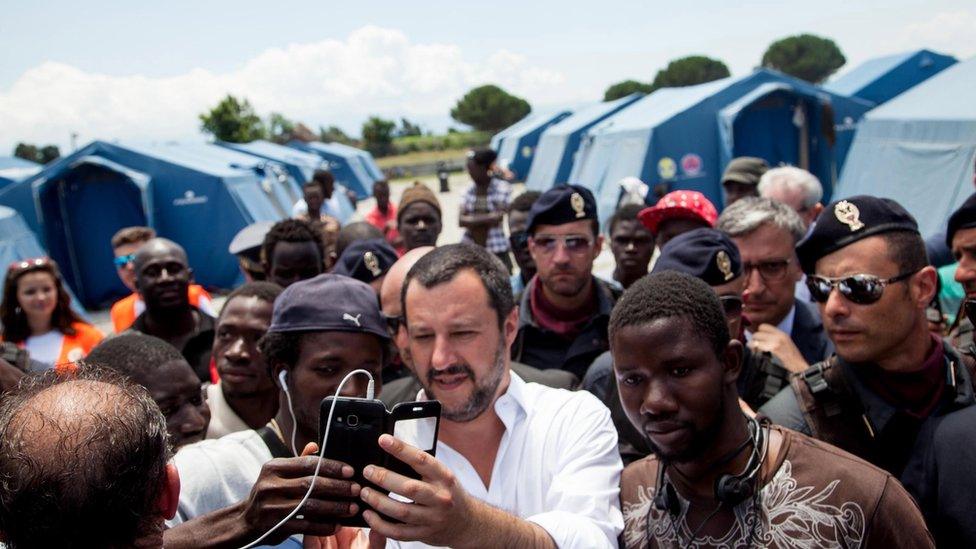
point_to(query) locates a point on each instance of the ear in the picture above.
(732, 361)
(169, 496)
(925, 285)
(276, 370)
(511, 327)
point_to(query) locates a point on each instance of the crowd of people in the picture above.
(771, 375)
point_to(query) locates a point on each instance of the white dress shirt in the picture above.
(557, 465)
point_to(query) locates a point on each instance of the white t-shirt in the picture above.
(223, 419)
(557, 465)
(45, 348)
(219, 473)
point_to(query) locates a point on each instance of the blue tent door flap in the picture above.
(83, 211)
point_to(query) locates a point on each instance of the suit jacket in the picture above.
(808, 334)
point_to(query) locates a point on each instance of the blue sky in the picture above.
(139, 71)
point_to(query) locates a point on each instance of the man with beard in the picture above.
(518, 464)
(244, 397)
(237, 487)
(419, 217)
(564, 310)
(518, 239)
(162, 370)
(163, 276)
(718, 478)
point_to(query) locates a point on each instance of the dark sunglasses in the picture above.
(124, 260)
(731, 304)
(393, 323)
(862, 289)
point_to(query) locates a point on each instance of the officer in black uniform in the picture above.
(564, 310)
(893, 393)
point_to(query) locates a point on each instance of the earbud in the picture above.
(281, 380)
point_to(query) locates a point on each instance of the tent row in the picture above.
(199, 195)
(684, 137)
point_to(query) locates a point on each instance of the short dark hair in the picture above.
(381, 183)
(357, 230)
(91, 478)
(132, 235)
(323, 178)
(907, 250)
(671, 294)
(443, 263)
(284, 347)
(524, 201)
(291, 230)
(263, 290)
(312, 185)
(627, 212)
(132, 355)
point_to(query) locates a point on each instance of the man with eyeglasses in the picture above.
(518, 239)
(563, 312)
(893, 393)
(163, 275)
(766, 233)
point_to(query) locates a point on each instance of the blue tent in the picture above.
(365, 158)
(517, 147)
(881, 79)
(558, 144)
(197, 195)
(346, 164)
(684, 137)
(919, 148)
(14, 169)
(301, 165)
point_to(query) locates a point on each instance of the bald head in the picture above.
(163, 276)
(48, 497)
(158, 247)
(393, 283)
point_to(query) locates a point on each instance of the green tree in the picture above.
(688, 71)
(625, 88)
(408, 128)
(490, 108)
(334, 134)
(234, 121)
(806, 56)
(41, 155)
(280, 128)
(378, 135)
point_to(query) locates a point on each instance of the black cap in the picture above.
(366, 260)
(563, 204)
(963, 218)
(708, 254)
(328, 303)
(846, 221)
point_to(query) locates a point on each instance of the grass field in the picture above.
(420, 157)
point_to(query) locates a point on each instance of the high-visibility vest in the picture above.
(74, 347)
(124, 310)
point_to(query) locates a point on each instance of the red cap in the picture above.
(679, 205)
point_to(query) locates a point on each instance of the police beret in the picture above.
(963, 218)
(846, 221)
(366, 260)
(328, 303)
(562, 204)
(708, 254)
(679, 205)
(745, 169)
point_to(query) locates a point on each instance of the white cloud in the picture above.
(951, 32)
(373, 71)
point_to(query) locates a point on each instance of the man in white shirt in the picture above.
(518, 464)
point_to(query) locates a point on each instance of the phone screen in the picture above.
(417, 432)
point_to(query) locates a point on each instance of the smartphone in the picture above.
(357, 424)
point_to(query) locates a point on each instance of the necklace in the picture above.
(277, 430)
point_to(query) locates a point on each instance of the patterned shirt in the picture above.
(498, 197)
(816, 496)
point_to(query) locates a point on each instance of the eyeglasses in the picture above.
(124, 260)
(731, 304)
(25, 264)
(392, 323)
(862, 289)
(573, 243)
(519, 240)
(770, 271)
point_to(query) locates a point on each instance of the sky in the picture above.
(140, 72)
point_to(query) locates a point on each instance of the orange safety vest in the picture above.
(74, 347)
(124, 310)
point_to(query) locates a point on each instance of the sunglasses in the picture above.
(25, 264)
(124, 260)
(732, 305)
(862, 289)
(393, 323)
(573, 243)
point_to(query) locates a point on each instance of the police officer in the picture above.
(893, 393)
(564, 310)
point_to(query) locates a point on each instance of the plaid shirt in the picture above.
(499, 196)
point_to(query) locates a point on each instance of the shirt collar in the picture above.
(511, 406)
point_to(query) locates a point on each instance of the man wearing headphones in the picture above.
(718, 478)
(238, 487)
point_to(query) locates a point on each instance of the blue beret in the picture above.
(366, 260)
(562, 204)
(963, 218)
(846, 221)
(707, 254)
(328, 303)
